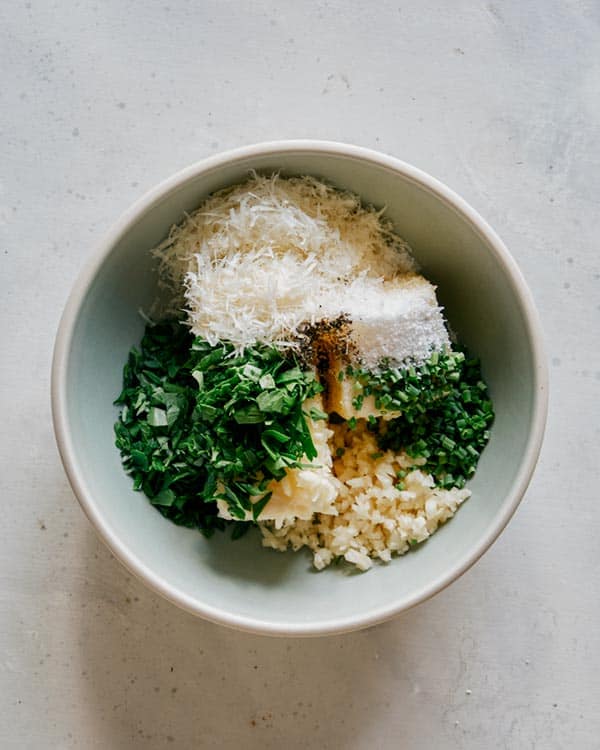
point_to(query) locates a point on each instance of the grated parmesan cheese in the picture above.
(260, 261)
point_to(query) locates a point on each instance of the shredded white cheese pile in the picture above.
(259, 260)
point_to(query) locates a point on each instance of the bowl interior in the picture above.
(240, 582)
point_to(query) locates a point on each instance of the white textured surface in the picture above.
(100, 101)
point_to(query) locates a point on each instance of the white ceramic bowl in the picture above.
(240, 584)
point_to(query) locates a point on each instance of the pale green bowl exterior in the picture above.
(240, 584)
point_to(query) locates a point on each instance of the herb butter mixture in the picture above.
(301, 379)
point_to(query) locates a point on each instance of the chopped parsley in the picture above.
(199, 423)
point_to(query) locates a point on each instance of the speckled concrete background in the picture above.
(99, 101)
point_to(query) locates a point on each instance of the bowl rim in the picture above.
(77, 297)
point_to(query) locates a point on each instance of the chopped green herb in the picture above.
(316, 414)
(166, 498)
(445, 414)
(198, 423)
